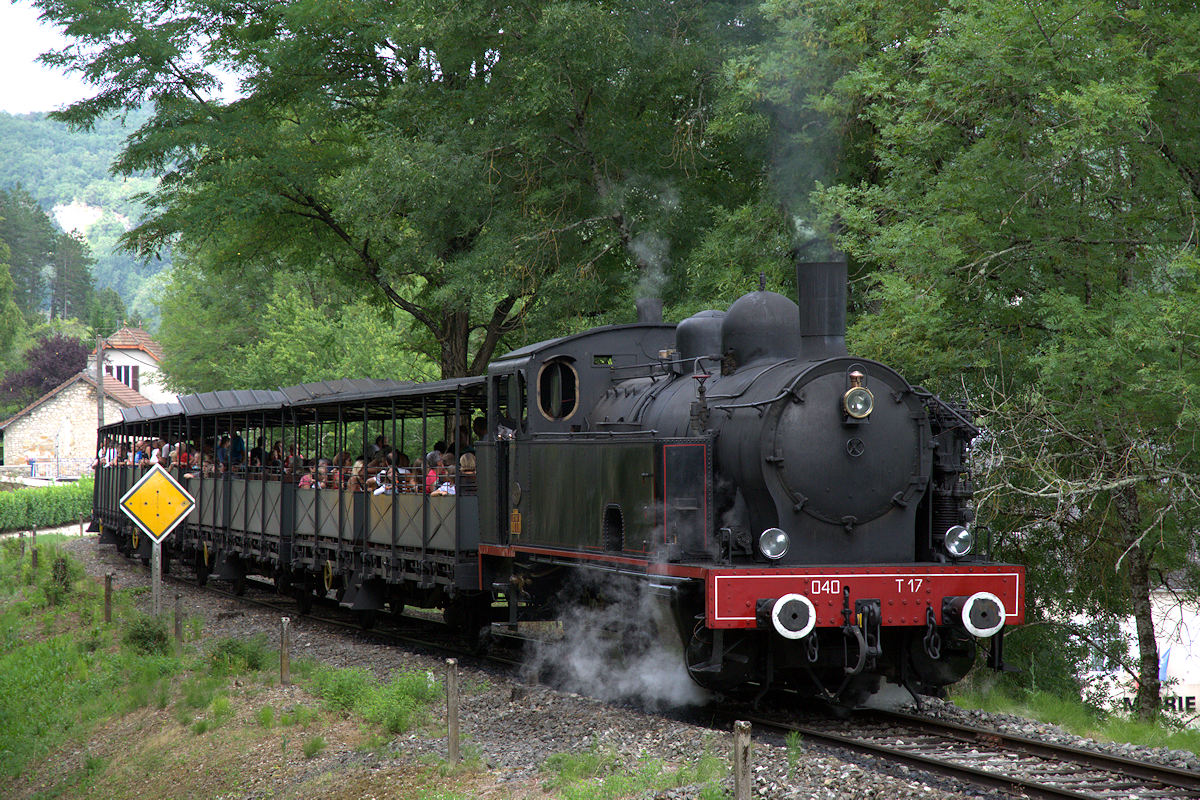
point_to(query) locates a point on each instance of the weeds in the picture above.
(238, 656)
(600, 773)
(147, 635)
(314, 747)
(398, 705)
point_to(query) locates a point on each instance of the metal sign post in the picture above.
(157, 504)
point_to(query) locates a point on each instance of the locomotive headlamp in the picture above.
(858, 402)
(958, 541)
(773, 543)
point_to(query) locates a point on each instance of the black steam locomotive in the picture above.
(802, 515)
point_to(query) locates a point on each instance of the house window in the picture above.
(126, 374)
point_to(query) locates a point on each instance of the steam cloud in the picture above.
(625, 651)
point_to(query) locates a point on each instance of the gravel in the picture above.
(513, 727)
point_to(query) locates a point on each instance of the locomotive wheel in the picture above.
(283, 583)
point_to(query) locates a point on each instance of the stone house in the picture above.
(58, 430)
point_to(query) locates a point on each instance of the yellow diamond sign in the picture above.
(157, 503)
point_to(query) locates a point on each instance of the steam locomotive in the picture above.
(801, 516)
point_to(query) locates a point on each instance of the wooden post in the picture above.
(285, 658)
(33, 537)
(33, 555)
(21, 536)
(452, 709)
(82, 517)
(108, 579)
(179, 623)
(741, 760)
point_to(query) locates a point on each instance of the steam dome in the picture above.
(761, 325)
(699, 335)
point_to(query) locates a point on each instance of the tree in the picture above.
(479, 167)
(1019, 186)
(30, 237)
(280, 330)
(47, 364)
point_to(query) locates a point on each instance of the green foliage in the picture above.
(297, 715)
(55, 166)
(341, 689)
(147, 635)
(598, 774)
(478, 170)
(314, 747)
(44, 507)
(237, 656)
(266, 717)
(1078, 718)
(53, 688)
(397, 705)
(304, 330)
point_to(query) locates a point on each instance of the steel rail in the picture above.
(1154, 780)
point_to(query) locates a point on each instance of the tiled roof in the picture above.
(134, 339)
(113, 389)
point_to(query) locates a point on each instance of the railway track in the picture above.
(1027, 767)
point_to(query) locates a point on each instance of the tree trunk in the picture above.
(455, 338)
(1146, 701)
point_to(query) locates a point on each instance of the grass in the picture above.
(1081, 719)
(89, 709)
(398, 705)
(599, 774)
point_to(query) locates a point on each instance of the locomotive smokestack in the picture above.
(649, 309)
(822, 299)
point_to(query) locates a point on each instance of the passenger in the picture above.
(258, 455)
(223, 450)
(466, 474)
(412, 481)
(385, 483)
(358, 477)
(308, 480)
(479, 426)
(433, 462)
(237, 448)
(379, 446)
(324, 479)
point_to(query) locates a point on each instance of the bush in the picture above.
(342, 689)
(235, 656)
(147, 635)
(45, 507)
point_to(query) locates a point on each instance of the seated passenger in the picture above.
(466, 474)
(433, 462)
(385, 483)
(358, 477)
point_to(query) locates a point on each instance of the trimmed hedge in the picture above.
(45, 507)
